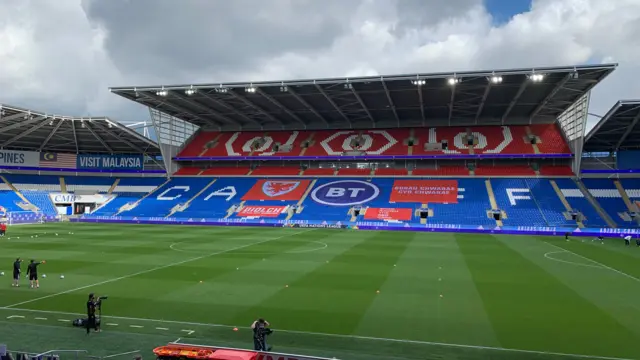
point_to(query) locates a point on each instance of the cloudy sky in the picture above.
(60, 56)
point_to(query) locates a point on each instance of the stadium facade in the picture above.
(499, 150)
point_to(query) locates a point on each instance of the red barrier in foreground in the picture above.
(197, 352)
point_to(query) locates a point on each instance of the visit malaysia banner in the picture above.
(400, 214)
(110, 162)
(261, 211)
(277, 190)
(19, 158)
(424, 191)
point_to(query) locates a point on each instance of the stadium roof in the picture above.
(461, 98)
(22, 129)
(619, 129)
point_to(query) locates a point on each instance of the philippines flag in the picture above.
(55, 160)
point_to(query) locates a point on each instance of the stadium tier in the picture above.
(480, 201)
(453, 141)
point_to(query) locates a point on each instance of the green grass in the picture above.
(441, 295)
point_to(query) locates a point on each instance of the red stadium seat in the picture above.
(319, 172)
(505, 170)
(391, 172)
(556, 170)
(487, 140)
(354, 172)
(552, 141)
(226, 171)
(197, 145)
(276, 170)
(188, 171)
(442, 171)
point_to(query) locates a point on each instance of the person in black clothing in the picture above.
(92, 305)
(16, 272)
(260, 331)
(32, 271)
(566, 236)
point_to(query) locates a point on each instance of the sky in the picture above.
(61, 56)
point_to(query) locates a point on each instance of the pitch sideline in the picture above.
(358, 337)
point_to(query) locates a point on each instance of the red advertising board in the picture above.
(277, 190)
(388, 214)
(261, 211)
(424, 191)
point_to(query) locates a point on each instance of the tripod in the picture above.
(99, 317)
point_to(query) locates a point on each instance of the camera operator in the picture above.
(92, 305)
(261, 330)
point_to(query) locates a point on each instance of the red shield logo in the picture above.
(278, 188)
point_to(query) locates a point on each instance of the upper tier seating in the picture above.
(486, 140)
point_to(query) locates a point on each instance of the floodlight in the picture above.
(453, 81)
(496, 79)
(190, 91)
(250, 89)
(536, 77)
(419, 82)
(162, 93)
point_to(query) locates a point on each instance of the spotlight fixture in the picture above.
(536, 77)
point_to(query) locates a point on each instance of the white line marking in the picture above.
(401, 341)
(136, 326)
(63, 320)
(189, 332)
(596, 262)
(112, 324)
(120, 354)
(161, 328)
(154, 269)
(41, 318)
(15, 317)
(548, 256)
(321, 247)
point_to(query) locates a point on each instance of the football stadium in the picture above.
(465, 215)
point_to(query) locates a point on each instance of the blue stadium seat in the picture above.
(160, 203)
(605, 191)
(471, 209)
(515, 198)
(579, 203)
(549, 203)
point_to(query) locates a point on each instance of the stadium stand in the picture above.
(579, 203)
(611, 200)
(474, 140)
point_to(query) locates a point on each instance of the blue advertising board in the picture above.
(110, 162)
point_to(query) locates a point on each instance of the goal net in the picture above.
(24, 217)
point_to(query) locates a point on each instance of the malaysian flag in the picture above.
(55, 160)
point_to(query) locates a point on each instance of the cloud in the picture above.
(62, 58)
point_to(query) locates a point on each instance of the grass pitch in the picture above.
(333, 293)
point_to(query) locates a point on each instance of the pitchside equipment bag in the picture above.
(83, 322)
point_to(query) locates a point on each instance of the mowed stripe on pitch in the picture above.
(151, 270)
(530, 308)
